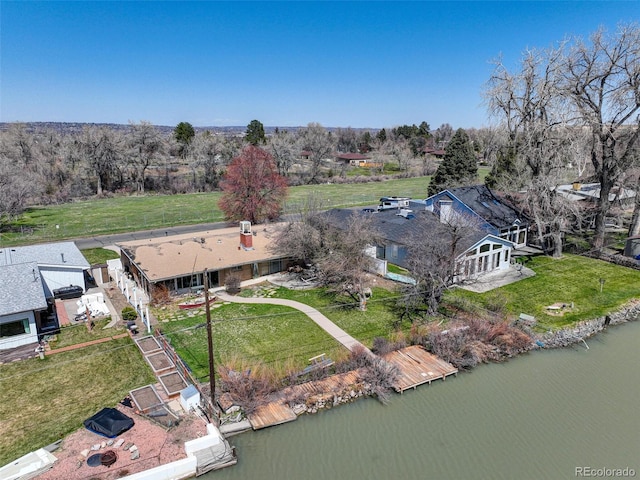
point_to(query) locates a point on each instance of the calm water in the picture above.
(536, 417)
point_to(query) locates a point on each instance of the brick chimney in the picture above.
(246, 237)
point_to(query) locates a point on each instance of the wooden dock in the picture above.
(417, 367)
(277, 411)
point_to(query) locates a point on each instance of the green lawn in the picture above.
(274, 334)
(377, 321)
(270, 334)
(132, 213)
(44, 400)
(75, 334)
(569, 279)
(97, 256)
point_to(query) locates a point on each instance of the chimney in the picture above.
(246, 238)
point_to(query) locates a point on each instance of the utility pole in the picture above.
(212, 372)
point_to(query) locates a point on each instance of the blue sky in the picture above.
(359, 64)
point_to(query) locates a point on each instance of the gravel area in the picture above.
(155, 444)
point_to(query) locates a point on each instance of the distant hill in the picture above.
(74, 127)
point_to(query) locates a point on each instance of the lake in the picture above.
(538, 416)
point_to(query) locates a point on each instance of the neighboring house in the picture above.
(28, 277)
(436, 152)
(590, 192)
(495, 217)
(397, 229)
(23, 305)
(357, 160)
(178, 262)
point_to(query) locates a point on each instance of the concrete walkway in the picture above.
(323, 322)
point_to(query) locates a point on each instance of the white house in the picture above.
(28, 277)
(22, 304)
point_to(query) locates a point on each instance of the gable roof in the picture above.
(486, 205)
(21, 288)
(60, 254)
(399, 230)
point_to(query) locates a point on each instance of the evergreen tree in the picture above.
(255, 133)
(382, 135)
(183, 134)
(458, 167)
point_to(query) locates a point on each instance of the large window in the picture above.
(11, 329)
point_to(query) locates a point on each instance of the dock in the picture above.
(277, 411)
(417, 367)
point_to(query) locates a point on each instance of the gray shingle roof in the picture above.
(62, 254)
(395, 229)
(21, 288)
(482, 201)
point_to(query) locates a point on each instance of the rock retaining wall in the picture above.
(588, 328)
(315, 403)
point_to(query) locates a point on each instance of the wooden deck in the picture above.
(277, 411)
(274, 413)
(417, 367)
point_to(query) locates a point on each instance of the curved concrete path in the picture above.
(323, 322)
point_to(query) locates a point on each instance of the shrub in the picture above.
(129, 314)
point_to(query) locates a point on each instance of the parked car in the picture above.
(72, 291)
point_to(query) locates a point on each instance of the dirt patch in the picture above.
(156, 445)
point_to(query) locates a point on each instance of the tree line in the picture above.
(48, 166)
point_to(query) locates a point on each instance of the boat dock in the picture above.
(417, 367)
(277, 411)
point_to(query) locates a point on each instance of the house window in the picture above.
(471, 253)
(497, 246)
(485, 248)
(496, 260)
(506, 255)
(237, 268)
(521, 236)
(394, 251)
(11, 329)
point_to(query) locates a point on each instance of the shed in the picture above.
(189, 398)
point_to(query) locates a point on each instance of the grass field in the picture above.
(571, 279)
(96, 256)
(133, 213)
(44, 400)
(274, 334)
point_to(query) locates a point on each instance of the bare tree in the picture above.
(101, 150)
(145, 144)
(283, 147)
(336, 247)
(206, 152)
(434, 249)
(316, 140)
(346, 140)
(345, 264)
(537, 150)
(601, 80)
(16, 187)
(301, 238)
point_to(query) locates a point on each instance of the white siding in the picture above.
(19, 340)
(56, 277)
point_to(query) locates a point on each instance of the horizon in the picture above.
(364, 65)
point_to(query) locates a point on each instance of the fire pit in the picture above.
(108, 458)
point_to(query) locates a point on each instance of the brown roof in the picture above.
(351, 156)
(181, 255)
